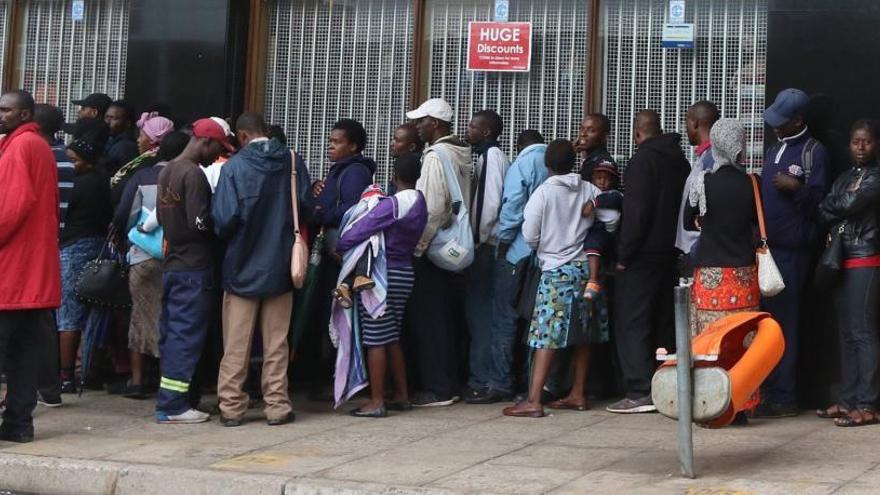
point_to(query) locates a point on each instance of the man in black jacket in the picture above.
(654, 180)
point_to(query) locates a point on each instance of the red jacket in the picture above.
(30, 272)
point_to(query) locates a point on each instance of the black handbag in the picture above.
(104, 281)
(526, 277)
(828, 270)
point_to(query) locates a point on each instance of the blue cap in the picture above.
(789, 104)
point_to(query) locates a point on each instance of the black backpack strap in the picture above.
(807, 157)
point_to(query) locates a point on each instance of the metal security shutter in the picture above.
(64, 60)
(4, 27)
(339, 59)
(726, 67)
(549, 98)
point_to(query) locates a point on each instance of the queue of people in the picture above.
(467, 277)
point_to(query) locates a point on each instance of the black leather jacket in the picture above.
(854, 200)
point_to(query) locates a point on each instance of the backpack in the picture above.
(807, 157)
(452, 248)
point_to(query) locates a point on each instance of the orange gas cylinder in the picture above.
(745, 347)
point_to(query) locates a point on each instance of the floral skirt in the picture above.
(562, 318)
(719, 292)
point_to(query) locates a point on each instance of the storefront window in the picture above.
(340, 59)
(4, 27)
(549, 98)
(726, 66)
(64, 58)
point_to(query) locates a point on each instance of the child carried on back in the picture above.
(599, 243)
(360, 278)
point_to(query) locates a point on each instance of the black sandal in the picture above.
(833, 412)
(858, 417)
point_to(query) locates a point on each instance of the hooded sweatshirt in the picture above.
(345, 182)
(28, 222)
(252, 211)
(552, 220)
(654, 179)
(433, 186)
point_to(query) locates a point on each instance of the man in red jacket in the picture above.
(30, 287)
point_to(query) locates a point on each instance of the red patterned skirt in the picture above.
(719, 292)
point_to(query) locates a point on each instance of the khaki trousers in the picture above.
(240, 317)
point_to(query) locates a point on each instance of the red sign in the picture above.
(500, 46)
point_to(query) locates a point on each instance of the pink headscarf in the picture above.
(154, 126)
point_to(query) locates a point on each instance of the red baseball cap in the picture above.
(209, 128)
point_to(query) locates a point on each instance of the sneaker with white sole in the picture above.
(191, 416)
(633, 406)
(49, 400)
(430, 399)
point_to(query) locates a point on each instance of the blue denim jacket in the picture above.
(524, 176)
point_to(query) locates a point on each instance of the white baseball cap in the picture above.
(223, 125)
(435, 107)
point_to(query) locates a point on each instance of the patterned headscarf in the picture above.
(154, 126)
(728, 147)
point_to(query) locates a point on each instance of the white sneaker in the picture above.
(191, 416)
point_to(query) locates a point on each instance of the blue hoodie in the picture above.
(356, 173)
(252, 212)
(524, 176)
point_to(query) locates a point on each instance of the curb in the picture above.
(51, 475)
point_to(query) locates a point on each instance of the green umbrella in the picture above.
(302, 311)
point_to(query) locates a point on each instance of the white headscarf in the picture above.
(728, 139)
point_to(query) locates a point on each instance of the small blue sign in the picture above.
(502, 10)
(676, 11)
(78, 10)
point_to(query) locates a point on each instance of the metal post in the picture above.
(685, 383)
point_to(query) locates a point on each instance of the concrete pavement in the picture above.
(110, 445)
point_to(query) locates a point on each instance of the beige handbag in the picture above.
(769, 278)
(299, 257)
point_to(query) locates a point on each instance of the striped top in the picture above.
(66, 174)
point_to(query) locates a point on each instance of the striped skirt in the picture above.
(386, 329)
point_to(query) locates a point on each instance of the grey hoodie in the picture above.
(552, 220)
(432, 184)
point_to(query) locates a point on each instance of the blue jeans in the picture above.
(72, 314)
(188, 304)
(785, 307)
(478, 310)
(505, 335)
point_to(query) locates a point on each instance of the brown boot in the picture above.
(342, 294)
(363, 283)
